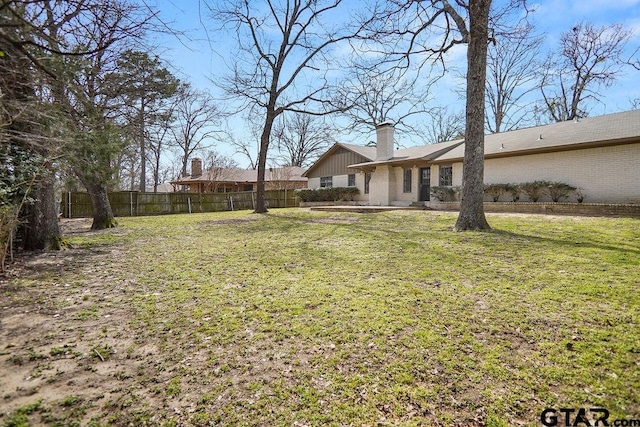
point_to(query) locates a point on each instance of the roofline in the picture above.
(550, 149)
(397, 161)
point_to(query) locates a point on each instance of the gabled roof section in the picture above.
(361, 150)
(610, 129)
(413, 154)
(288, 173)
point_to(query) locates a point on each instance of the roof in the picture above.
(610, 129)
(287, 173)
(413, 154)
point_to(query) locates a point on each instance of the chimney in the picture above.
(196, 167)
(384, 141)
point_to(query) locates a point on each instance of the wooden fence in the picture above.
(133, 203)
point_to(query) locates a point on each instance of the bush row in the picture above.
(328, 194)
(556, 191)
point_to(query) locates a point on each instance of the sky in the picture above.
(198, 55)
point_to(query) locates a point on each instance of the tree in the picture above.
(84, 91)
(374, 96)
(301, 139)
(194, 115)
(144, 84)
(430, 30)
(511, 76)
(471, 216)
(219, 168)
(278, 65)
(444, 126)
(158, 140)
(589, 59)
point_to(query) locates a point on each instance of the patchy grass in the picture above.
(301, 318)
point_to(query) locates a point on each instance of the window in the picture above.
(326, 182)
(406, 187)
(446, 176)
(367, 178)
(351, 180)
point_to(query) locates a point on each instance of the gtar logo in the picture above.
(574, 417)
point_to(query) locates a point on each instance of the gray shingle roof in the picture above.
(609, 129)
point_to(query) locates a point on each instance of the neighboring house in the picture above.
(165, 187)
(226, 180)
(599, 155)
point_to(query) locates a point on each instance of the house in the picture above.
(226, 180)
(600, 155)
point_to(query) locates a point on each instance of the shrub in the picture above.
(534, 189)
(580, 195)
(495, 190)
(558, 190)
(513, 190)
(328, 194)
(444, 194)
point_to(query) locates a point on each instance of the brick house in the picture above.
(600, 155)
(227, 180)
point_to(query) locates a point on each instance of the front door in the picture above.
(425, 184)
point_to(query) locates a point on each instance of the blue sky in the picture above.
(197, 57)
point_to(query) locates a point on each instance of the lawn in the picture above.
(298, 318)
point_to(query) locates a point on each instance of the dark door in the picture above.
(425, 184)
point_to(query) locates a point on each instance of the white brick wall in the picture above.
(607, 174)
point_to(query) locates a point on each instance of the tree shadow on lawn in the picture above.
(567, 242)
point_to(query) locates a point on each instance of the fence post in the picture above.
(69, 204)
(189, 203)
(231, 201)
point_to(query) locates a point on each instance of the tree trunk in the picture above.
(471, 215)
(143, 152)
(261, 206)
(41, 231)
(102, 213)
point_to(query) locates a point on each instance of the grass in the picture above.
(300, 318)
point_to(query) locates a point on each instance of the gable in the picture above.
(336, 162)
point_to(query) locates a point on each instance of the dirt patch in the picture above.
(66, 342)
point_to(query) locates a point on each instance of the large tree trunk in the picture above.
(261, 206)
(471, 215)
(41, 231)
(102, 213)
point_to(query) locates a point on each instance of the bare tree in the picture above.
(589, 59)
(301, 139)
(195, 114)
(444, 126)
(219, 168)
(375, 96)
(512, 73)
(159, 139)
(282, 48)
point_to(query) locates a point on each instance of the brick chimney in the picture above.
(384, 141)
(196, 167)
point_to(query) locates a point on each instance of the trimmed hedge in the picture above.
(328, 194)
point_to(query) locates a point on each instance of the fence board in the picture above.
(133, 203)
